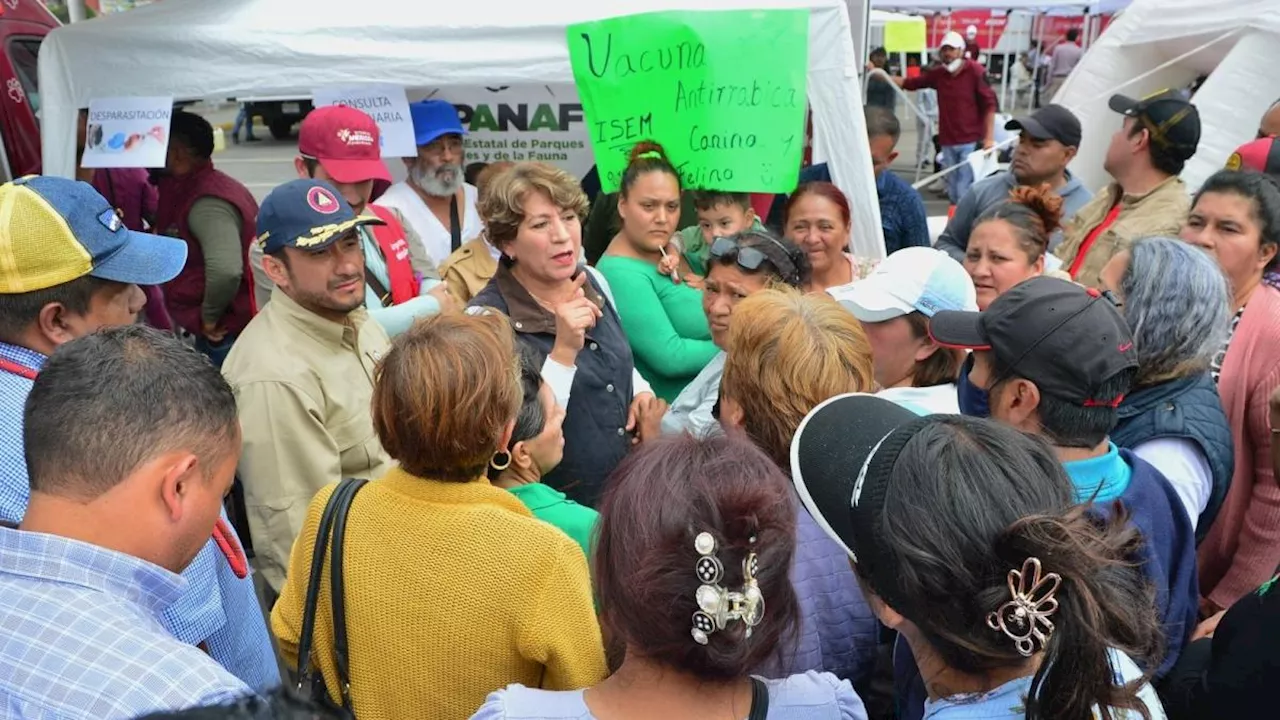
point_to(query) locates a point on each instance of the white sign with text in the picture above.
(127, 132)
(386, 104)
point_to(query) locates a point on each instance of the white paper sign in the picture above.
(984, 163)
(386, 104)
(522, 122)
(127, 132)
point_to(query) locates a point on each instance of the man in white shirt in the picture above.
(435, 199)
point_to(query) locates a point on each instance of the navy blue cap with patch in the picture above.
(307, 214)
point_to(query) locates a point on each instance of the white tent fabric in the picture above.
(1079, 6)
(229, 48)
(1159, 44)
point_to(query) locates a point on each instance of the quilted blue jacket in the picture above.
(837, 632)
(1187, 408)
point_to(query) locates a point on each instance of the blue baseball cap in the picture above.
(56, 230)
(914, 279)
(308, 214)
(433, 118)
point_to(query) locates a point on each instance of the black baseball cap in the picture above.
(1051, 122)
(306, 213)
(1066, 339)
(1174, 123)
(842, 458)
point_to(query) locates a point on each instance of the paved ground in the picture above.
(263, 165)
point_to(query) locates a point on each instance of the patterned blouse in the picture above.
(1215, 366)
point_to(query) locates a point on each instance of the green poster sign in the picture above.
(723, 92)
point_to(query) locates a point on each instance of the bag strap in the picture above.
(759, 700)
(384, 295)
(339, 500)
(455, 224)
(337, 594)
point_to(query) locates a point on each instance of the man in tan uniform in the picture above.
(1159, 134)
(303, 368)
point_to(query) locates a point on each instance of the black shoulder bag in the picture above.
(310, 679)
(759, 700)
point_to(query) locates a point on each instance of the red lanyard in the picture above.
(14, 368)
(223, 535)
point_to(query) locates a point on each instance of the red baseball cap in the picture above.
(1262, 155)
(346, 142)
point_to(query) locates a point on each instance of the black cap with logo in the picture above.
(1051, 122)
(1174, 123)
(1068, 340)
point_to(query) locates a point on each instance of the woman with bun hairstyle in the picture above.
(966, 538)
(1006, 246)
(663, 318)
(691, 574)
(817, 218)
(563, 310)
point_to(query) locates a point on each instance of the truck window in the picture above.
(23, 54)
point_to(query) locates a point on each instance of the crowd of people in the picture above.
(497, 450)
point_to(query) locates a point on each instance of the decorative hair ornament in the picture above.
(718, 606)
(650, 154)
(1025, 618)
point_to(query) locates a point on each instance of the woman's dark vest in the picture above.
(1186, 408)
(595, 436)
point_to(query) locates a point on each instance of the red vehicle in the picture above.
(23, 25)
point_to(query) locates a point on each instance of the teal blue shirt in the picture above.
(396, 318)
(1107, 474)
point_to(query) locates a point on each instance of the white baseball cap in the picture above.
(914, 279)
(953, 40)
(971, 31)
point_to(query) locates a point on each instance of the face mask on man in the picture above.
(954, 66)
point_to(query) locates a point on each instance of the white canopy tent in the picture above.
(1159, 44)
(1073, 7)
(229, 48)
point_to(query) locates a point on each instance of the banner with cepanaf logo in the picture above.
(521, 122)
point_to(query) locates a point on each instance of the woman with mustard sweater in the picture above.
(453, 588)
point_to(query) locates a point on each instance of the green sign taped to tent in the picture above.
(723, 92)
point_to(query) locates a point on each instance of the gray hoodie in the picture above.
(988, 192)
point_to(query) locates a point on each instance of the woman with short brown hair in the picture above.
(469, 268)
(443, 570)
(786, 353)
(564, 310)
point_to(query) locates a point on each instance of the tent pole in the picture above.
(1169, 63)
(75, 10)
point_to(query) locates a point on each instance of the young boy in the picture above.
(720, 214)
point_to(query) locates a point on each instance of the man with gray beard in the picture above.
(435, 200)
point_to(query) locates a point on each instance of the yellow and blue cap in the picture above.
(54, 230)
(307, 214)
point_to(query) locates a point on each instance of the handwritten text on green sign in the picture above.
(723, 92)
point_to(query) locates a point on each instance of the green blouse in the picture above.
(664, 323)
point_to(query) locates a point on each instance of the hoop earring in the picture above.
(500, 466)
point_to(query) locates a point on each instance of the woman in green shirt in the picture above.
(536, 448)
(662, 318)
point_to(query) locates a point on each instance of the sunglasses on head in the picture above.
(752, 257)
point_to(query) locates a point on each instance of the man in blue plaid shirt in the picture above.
(132, 440)
(71, 268)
